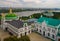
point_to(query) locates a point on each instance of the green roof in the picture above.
(11, 16)
(49, 21)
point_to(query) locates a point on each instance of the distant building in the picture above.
(48, 27)
(50, 14)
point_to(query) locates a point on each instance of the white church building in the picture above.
(10, 22)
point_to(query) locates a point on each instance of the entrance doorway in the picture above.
(43, 33)
(25, 33)
(6, 29)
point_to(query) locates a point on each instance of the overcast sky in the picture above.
(30, 3)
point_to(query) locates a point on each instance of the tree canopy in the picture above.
(23, 38)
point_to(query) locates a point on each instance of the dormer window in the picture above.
(25, 24)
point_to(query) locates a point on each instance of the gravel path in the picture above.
(37, 37)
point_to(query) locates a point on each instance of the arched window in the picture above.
(53, 36)
(48, 34)
(40, 31)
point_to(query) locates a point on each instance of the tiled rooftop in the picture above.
(16, 23)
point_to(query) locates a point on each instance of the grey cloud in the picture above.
(33, 3)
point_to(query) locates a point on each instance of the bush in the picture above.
(23, 38)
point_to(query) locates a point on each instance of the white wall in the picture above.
(41, 27)
(18, 31)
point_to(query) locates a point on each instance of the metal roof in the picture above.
(16, 23)
(49, 21)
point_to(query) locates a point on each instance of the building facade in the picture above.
(48, 27)
(17, 28)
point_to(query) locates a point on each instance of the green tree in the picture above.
(23, 38)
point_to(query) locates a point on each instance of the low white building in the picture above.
(18, 28)
(48, 27)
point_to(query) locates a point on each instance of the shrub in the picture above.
(23, 38)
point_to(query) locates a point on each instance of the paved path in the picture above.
(37, 37)
(3, 34)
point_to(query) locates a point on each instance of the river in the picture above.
(27, 13)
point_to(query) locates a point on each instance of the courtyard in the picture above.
(33, 36)
(3, 34)
(37, 37)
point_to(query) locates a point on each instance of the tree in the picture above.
(11, 39)
(14, 38)
(36, 15)
(25, 38)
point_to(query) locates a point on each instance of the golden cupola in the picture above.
(10, 11)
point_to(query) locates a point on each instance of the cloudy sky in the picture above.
(30, 3)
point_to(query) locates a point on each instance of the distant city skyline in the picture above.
(30, 3)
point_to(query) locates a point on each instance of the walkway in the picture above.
(3, 34)
(37, 37)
